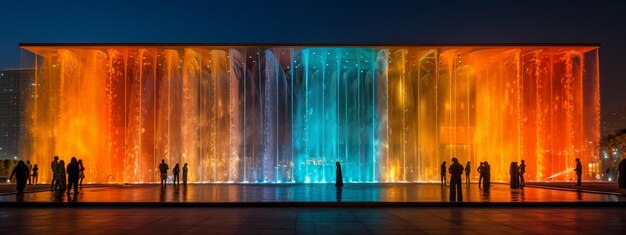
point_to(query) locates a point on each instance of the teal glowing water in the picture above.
(335, 119)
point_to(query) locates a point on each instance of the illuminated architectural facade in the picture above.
(287, 113)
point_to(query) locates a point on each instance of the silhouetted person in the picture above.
(456, 170)
(338, 175)
(163, 170)
(35, 175)
(443, 173)
(513, 176)
(486, 176)
(30, 169)
(21, 176)
(61, 176)
(73, 169)
(175, 173)
(522, 171)
(579, 172)
(185, 171)
(468, 169)
(81, 173)
(55, 181)
(621, 171)
(481, 175)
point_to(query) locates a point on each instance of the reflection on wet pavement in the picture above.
(309, 193)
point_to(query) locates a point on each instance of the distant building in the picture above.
(11, 108)
(613, 121)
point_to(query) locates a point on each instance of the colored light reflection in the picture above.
(256, 114)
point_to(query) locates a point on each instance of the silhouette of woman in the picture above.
(339, 179)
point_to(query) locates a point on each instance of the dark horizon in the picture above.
(325, 22)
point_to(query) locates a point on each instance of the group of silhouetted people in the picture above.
(62, 182)
(163, 167)
(456, 171)
(516, 175)
(24, 173)
(27, 173)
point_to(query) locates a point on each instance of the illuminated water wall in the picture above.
(287, 114)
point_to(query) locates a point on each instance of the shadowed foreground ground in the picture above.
(313, 221)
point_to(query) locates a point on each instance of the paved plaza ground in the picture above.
(308, 193)
(313, 209)
(313, 221)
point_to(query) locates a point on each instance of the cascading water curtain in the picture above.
(287, 114)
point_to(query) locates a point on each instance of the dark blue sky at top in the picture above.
(387, 21)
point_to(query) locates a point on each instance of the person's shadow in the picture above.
(163, 194)
(59, 196)
(73, 198)
(19, 197)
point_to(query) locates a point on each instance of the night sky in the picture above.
(336, 21)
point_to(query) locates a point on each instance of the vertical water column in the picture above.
(146, 74)
(591, 108)
(428, 120)
(537, 70)
(277, 116)
(335, 115)
(567, 103)
(498, 108)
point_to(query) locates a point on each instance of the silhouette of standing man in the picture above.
(72, 176)
(339, 176)
(175, 172)
(55, 179)
(185, 170)
(443, 173)
(579, 172)
(163, 169)
(456, 170)
(481, 173)
(522, 171)
(468, 168)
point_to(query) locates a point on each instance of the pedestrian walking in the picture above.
(21, 176)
